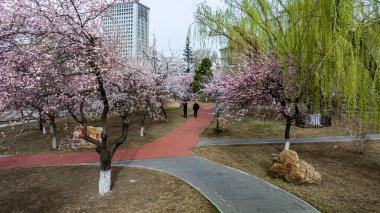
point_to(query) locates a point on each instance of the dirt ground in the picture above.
(31, 141)
(350, 181)
(74, 189)
(259, 128)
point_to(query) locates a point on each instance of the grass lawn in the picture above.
(257, 128)
(31, 139)
(75, 189)
(350, 181)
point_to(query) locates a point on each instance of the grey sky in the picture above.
(170, 19)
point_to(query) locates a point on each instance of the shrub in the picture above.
(361, 143)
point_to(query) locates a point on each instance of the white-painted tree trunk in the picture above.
(54, 142)
(44, 132)
(51, 129)
(287, 145)
(142, 131)
(104, 182)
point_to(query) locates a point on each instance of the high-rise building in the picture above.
(130, 20)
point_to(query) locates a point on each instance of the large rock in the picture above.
(289, 166)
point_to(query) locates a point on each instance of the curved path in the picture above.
(175, 144)
(230, 190)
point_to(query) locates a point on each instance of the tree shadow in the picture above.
(33, 199)
(114, 175)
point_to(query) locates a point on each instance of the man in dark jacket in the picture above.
(184, 105)
(196, 108)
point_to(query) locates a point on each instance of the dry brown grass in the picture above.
(259, 128)
(31, 141)
(74, 189)
(350, 181)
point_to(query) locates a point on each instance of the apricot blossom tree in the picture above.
(259, 84)
(181, 87)
(57, 58)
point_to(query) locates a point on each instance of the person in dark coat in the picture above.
(196, 108)
(184, 105)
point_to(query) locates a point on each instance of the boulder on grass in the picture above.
(289, 166)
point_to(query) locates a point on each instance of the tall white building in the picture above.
(129, 19)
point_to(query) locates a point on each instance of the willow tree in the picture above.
(333, 46)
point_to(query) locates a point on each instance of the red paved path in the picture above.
(175, 144)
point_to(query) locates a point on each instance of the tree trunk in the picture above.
(42, 122)
(217, 114)
(44, 131)
(297, 116)
(142, 124)
(163, 111)
(105, 169)
(142, 131)
(287, 133)
(106, 152)
(104, 182)
(53, 130)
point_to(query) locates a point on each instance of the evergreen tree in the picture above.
(202, 74)
(154, 54)
(188, 53)
(204, 68)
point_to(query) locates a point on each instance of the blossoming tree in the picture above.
(258, 85)
(71, 64)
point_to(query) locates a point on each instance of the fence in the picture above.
(313, 121)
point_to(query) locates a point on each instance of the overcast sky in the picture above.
(170, 21)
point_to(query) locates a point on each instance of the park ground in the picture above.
(259, 128)
(31, 141)
(74, 189)
(350, 180)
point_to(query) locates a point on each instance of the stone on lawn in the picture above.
(289, 166)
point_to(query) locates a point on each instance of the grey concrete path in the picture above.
(212, 142)
(230, 190)
(6, 124)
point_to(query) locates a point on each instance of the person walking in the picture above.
(184, 105)
(196, 108)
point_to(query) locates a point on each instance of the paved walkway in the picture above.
(6, 124)
(175, 144)
(213, 142)
(230, 190)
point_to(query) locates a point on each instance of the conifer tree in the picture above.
(188, 53)
(202, 74)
